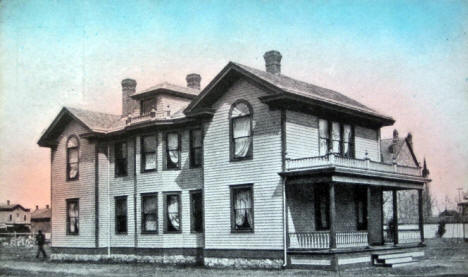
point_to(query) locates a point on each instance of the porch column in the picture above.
(421, 215)
(368, 207)
(332, 216)
(395, 216)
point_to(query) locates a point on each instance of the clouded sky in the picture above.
(407, 59)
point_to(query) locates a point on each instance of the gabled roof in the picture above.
(12, 207)
(165, 87)
(96, 122)
(41, 214)
(388, 150)
(284, 85)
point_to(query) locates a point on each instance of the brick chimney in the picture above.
(37, 207)
(47, 206)
(8, 202)
(273, 62)
(128, 89)
(409, 139)
(394, 141)
(193, 80)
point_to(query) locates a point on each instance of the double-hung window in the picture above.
(148, 153)
(196, 201)
(172, 211)
(73, 216)
(121, 215)
(147, 106)
(241, 130)
(172, 151)
(149, 213)
(242, 213)
(336, 138)
(73, 148)
(195, 147)
(121, 156)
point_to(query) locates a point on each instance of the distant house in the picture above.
(40, 220)
(256, 169)
(464, 212)
(14, 217)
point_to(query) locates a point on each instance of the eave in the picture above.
(318, 107)
(160, 91)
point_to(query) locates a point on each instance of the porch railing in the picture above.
(409, 235)
(365, 164)
(310, 240)
(351, 239)
(321, 240)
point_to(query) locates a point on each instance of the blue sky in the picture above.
(404, 58)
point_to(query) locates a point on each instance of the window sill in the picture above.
(149, 233)
(120, 176)
(241, 159)
(148, 171)
(172, 232)
(69, 234)
(121, 234)
(171, 169)
(196, 232)
(242, 231)
(72, 180)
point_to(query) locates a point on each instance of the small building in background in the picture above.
(14, 217)
(40, 220)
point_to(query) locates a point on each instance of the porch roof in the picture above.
(337, 174)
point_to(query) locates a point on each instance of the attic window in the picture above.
(72, 158)
(147, 105)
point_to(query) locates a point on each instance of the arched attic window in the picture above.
(240, 117)
(73, 147)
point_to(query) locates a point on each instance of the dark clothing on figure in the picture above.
(40, 240)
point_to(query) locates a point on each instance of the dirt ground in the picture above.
(443, 257)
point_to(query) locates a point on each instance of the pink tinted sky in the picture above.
(405, 59)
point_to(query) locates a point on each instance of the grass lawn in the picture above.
(445, 257)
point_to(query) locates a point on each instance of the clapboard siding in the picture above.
(158, 181)
(161, 181)
(83, 189)
(171, 103)
(301, 135)
(366, 140)
(261, 171)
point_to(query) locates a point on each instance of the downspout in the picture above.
(108, 203)
(283, 168)
(285, 226)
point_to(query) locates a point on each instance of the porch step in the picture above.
(396, 259)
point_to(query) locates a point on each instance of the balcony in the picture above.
(333, 160)
(153, 115)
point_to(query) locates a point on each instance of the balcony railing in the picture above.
(365, 164)
(321, 240)
(147, 116)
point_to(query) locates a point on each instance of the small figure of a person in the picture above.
(40, 241)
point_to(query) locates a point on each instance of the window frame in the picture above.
(193, 148)
(153, 105)
(341, 141)
(68, 202)
(143, 221)
(321, 193)
(192, 212)
(166, 211)
(116, 224)
(68, 149)
(117, 160)
(143, 153)
(249, 155)
(233, 189)
(360, 194)
(179, 150)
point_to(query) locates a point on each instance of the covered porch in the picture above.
(337, 208)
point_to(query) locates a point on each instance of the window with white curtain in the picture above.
(173, 220)
(149, 213)
(242, 217)
(72, 158)
(336, 138)
(172, 151)
(241, 130)
(148, 153)
(73, 217)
